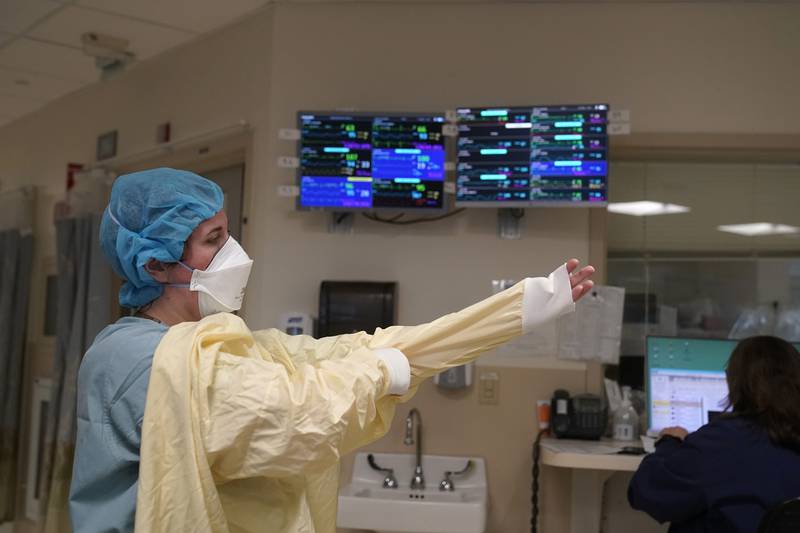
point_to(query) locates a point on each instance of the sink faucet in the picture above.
(418, 481)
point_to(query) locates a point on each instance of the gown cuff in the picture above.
(546, 299)
(399, 369)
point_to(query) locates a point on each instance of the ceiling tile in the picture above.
(16, 16)
(11, 106)
(34, 86)
(193, 15)
(5, 37)
(50, 59)
(146, 39)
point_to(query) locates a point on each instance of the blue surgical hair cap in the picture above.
(150, 216)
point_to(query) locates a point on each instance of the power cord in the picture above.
(535, 483)
(396, 219)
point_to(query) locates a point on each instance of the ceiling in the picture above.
(41, 56)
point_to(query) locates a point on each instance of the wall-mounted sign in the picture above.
(107, 145)
(72, 168)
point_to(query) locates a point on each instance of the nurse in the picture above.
(728, 473)
(166, 235)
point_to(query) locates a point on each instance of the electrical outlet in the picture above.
(288, 191)
(288, 162)
(488, 388)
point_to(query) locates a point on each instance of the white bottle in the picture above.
(626, 421)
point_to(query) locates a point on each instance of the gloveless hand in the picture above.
(580, 279)
(676, 431)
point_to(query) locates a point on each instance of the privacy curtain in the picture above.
(16, 258)
(83, 309)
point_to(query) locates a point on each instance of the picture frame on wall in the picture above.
(107, 145)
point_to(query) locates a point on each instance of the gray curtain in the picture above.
(16, 258)
(84, 308)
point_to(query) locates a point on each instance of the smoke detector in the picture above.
(110, 53)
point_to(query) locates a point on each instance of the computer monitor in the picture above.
(685, 381)
(365, 161)
(532, 156)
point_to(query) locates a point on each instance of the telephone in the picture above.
(583, 416)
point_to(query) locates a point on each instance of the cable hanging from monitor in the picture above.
(396, 219)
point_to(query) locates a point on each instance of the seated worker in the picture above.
(727, 474)
(189, 421)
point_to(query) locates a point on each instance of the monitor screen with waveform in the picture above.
(532, 156)
(364, 161)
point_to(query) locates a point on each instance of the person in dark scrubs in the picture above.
(726, 475)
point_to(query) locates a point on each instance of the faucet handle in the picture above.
(418, 481)
(447, 483)
(389, 482)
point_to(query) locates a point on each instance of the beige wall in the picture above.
(679, 68)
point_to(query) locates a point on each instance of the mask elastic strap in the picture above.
(181, 285)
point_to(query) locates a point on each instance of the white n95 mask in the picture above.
(222, 284)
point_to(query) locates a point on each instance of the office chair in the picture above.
(782, 518)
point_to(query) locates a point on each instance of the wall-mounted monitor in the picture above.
(366, 161)
(532, 156)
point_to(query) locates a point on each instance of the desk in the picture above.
(592, 463)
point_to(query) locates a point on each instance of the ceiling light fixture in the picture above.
(646, 208)
(759, 229)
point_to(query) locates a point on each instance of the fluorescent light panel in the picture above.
(758, 229)
(646, 208)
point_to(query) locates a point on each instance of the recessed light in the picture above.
(646, 208)
(758, 229)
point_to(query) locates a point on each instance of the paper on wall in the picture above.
(594, 332)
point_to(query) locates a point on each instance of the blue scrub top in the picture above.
(722, 478)
(112, 389)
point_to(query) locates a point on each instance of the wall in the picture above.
(679, 68)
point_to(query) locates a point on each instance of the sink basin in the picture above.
(365, 504)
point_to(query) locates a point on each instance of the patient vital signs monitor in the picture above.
(686, 382)
(532, 156)
(351, 161)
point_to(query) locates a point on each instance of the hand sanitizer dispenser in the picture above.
(297, 324)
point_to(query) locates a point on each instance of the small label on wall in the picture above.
(289, 134)
(449, 130)
(450, 115)
(288, 162)
(288, 191)
(619, 115)
(449, 187)
(450, 165)
(619, 129)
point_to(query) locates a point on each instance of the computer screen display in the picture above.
(532, 156)
(363, 161)
(686, 383)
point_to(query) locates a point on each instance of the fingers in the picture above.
(581, 290)
(582, 275)
(572, 264)
(579, 279)
(577, 293)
